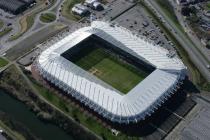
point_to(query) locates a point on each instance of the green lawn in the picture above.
(48, 17)
(168, 9)
(208, 5)
(66, 9)
(76, 113)
(29, 23)
(3, 62)
(110, 69)
(117, 75)
(1, 24)
(5, 31)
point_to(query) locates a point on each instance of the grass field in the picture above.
(110, 69)
(3, 62)
(66, 9)
(5, 31)
(208, 5)
(74, 112)
(48, 17)
(168, 9)
(1, 24)
(26, 22)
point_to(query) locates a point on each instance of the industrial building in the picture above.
(80, 10)
(94, 4)
(15, 6)
(140, 102)
(188, 2)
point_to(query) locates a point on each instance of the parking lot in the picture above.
(198, 128)
(137, 20)
(112, 9)
(163, 121)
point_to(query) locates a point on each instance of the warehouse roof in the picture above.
(11, 4)
(80, 9)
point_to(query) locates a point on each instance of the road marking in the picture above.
(174, 113)
(159, 129)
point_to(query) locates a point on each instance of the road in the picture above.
(197, 58)
(189, 31)
(15, 24)
(5, 45)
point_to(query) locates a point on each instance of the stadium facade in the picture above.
(141, 101)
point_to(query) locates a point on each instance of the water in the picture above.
(20, 112)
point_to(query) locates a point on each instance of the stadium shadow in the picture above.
(190, 87)
(151, 124)
(162, 116)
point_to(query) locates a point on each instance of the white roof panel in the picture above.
(142, 99)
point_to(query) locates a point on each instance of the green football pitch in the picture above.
(109, 68)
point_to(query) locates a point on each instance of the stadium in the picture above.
(122, 76)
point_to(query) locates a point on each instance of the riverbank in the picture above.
(21, 91)
(71, 107)
(15, 129)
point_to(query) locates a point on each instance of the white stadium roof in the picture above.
(139, 102)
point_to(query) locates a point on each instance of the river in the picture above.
(22, 114)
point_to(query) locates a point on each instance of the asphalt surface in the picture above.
(189, 32)
(2, 137)
(5, 45)
(30, 42)
(198, 128)
(196, 125)
(139, 21)
(198, 59)
(15, 25)
(113, 9)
